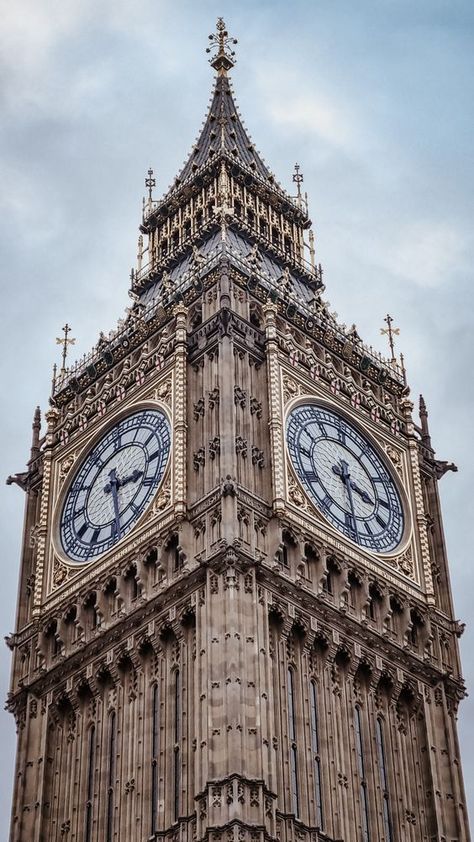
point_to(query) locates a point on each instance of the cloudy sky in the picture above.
(374, 99)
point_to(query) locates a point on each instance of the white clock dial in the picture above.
(345, 477)
(114, 484)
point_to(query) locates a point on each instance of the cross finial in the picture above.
(390, 332)
(150, 182)
(298, 179)
(225, 57)
(65, 341)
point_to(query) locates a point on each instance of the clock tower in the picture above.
(234, 618)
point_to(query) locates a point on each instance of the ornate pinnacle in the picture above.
(390, 332)
(425, 432)
(65, 342)
(150, 182)
(298, 178)
(225, 58)
(35, 439)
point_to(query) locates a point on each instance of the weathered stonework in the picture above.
(234, 669)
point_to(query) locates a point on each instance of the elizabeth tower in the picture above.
(234, 617)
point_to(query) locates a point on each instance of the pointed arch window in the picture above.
(316, 754)
(177, 741)
(293, 747)
(155, 739)
(379, 736)
(90, 783)
(112, 736)
(364, 802)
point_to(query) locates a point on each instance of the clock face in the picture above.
(114, 484)
(345, 478)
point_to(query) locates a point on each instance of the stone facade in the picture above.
(234, 669)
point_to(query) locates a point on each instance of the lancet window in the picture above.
(90, 783)
(364, 802)
(293, 744)
(316, 754)
(379, 736)
(111, 776)
(177, 741)
(155, 737)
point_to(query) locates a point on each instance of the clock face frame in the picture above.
(114, 483)
(345, 476)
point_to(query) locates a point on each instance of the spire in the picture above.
(425, 432)
(36, 427)
(224, 59)
(223, 133)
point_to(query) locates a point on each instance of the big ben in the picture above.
(234, 619)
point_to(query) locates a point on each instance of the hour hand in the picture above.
(360, 491)
(132, 478)
(112, 487)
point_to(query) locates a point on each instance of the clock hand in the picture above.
(363, 494)
(343, 472)
(132, 478)
(112, 487)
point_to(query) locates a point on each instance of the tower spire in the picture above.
(425, 432)
(36, 427)
(224, 59)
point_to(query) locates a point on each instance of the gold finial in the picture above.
(150, 182)
(390, 332)
(225, 58)
(65, 342)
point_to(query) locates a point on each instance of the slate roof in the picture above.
(224, 132)
(237, 249)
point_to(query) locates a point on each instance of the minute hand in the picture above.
(343, 472)
(112, 487)
(361, 492)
